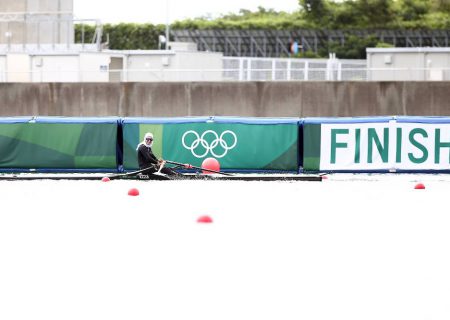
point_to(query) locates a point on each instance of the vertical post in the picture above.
(54, 33)
(167, 24)
(58, 24)
(306, 71)
(25, 33)
(288, 70)
(339, 73)
(99, 34)
(38, 35)
(241, 69)
(8, 35)
(125, 68)
(80, 71)
(249, 69)
(82, 35)
(328, 71)
(68, 26)
(274, 66)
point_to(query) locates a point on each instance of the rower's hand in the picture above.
(187, 166)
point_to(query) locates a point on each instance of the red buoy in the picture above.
(106, 179)
(419, 186)
(210, 164)
(133, 192)
(204, 219)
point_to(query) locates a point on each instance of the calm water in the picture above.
(351, 247)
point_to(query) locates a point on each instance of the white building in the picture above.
(36, 22)
(37, 45)
(181, 63)
(110, 66)
(408, 64)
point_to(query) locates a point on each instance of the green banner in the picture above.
(58, 145)
(234, 145)
(311, 147)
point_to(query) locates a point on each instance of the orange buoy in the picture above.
(419, 186)
(204, 219)
(210, 164)
(133, 192)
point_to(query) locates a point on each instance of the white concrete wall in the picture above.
(85, 67)
(437, 63)
(387, 66)
(55, 68)
(18, 67)
(174, 66)
(148, 67)
(3, 68)
(198, 61)
(94, 67)
(408, 64)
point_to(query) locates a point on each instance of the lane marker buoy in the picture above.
(419, 186)
(133, 192)
(204, 219)
(210, 164)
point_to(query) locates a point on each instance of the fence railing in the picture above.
(276, 43)
(293, 73)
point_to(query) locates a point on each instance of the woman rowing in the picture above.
(147, 160)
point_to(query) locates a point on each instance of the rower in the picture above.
(148, 161)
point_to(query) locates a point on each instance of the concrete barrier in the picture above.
(251, 99)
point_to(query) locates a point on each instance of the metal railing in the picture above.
(234, 69)
(266, 69)
(232, 75)
(276, 43)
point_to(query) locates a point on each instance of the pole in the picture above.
(167, 24)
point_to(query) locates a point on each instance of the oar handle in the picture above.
(161, 165)
(200, 168)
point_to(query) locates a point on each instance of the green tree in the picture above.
(440, 5)
(124, 36)
(354, 47)
(374, 13)
(346, 16)
(245, 19)
(312, 14)
(412, 10)
(317, 12)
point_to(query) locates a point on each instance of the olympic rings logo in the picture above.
(201, 142)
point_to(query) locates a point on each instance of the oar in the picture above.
(200, 168)
(129, 173)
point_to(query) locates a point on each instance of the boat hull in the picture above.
(162, 177)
